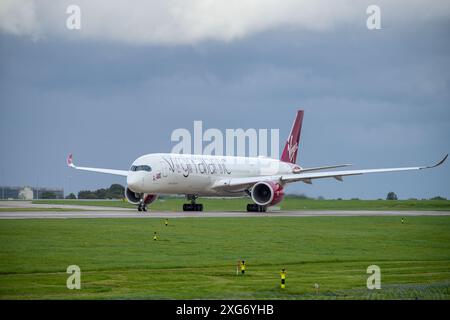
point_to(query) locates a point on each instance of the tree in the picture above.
(101, 194)
(391, 196)
(116, 191)
(438, 198)
(48, 195)
(71, 196)
(86, 194)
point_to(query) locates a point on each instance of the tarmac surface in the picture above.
(28, 204)
(91, 212)
(134, 214)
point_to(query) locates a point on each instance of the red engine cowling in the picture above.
(267, 193)
(149, 198)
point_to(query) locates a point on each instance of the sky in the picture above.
(119, 86)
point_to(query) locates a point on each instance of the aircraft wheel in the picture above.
(252, 207)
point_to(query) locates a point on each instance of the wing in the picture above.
(324, 168)
(307, 177)
(122, 173)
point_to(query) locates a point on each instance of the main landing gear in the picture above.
(253, 207)
(192, 206)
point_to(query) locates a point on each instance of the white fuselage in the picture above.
(166, 173)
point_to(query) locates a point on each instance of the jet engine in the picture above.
(135, 198)
(267, 193)
(132, 197)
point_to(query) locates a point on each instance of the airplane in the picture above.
(260, 178)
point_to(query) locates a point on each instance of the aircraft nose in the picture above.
(134, 182)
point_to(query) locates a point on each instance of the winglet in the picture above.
(70, 161)
(439, 163)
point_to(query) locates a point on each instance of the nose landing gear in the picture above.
(142, 207)
(192, 206)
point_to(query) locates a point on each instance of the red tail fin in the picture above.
(290, 149)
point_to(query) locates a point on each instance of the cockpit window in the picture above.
(141, 168)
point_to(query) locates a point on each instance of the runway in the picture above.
(116, 214)
(28, 204)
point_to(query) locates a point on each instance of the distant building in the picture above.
(30, 193)
(26, 194)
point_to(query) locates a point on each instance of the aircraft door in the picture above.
(164, 169)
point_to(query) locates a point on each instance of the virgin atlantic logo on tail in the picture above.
(70, 160)
(292, 148)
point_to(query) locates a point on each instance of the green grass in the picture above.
(288, 204)
(196, 258)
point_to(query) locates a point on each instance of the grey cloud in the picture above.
(188, 22)
(372, 99)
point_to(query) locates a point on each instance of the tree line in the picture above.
(390, 196)
(115, 191)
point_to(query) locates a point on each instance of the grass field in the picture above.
(289, 204)
(196, 258)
